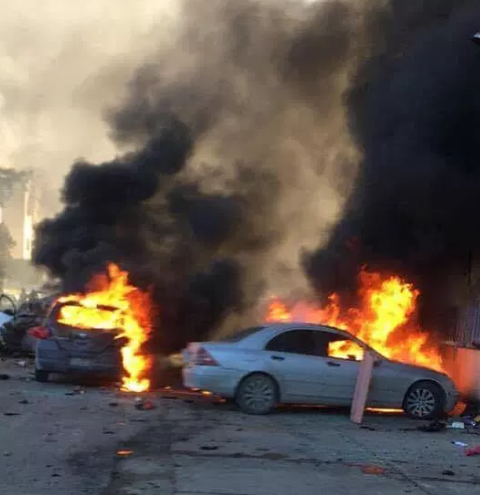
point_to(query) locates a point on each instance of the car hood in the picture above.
(415, 370)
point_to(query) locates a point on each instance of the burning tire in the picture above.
(424, 400)
(257, 394)
(42, 376)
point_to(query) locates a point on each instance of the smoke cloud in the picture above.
(61, 63)
(263, 135)
(239, 160)
(414, 111)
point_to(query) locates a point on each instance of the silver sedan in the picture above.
(263, 366)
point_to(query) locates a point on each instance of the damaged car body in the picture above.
(65, 349)
(267, 365)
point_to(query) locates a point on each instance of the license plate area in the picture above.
(80, 363)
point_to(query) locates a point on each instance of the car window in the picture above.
(242, 334)
(343, 348)
(294, 341)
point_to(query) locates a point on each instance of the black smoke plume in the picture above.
(267, 129)
(210, 207)
(415, 114)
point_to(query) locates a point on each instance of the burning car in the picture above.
(300, 363)
(100, 331)
(64, 348)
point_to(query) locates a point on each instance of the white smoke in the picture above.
(62, 62)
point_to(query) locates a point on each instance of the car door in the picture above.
(343, 357)
(291, 358)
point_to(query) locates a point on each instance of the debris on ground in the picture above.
(433, 427)
(144, 404)
(448, 472)
(124, 453)
(459, 444)
(11, 414)
(22, 364)
(77, 391)
(4, 376)
(473, 452)
(457, 425)
(372, 469)
(23, 401)
(209, 447)
(113, 404)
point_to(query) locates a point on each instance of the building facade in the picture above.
(20, 214)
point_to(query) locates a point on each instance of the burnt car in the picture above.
(66, 349)
(14, 336)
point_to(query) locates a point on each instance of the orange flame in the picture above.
(130, 318)
(385, 320)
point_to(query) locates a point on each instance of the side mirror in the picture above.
(476, 38)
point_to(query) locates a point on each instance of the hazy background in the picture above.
(62, 62)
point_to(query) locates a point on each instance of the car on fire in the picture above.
(64, 349)
(295, 363)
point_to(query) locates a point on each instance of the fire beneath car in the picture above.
(130, 317)
(385, 319)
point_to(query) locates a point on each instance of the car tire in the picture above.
(424, 400)
(257, 394)
(42, 376)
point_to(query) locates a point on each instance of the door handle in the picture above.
(332, 363)
(278, 358)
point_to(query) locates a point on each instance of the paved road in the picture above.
(55, 440)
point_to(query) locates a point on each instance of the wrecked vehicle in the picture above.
(293, 363)
(61, 348)
(14, 334)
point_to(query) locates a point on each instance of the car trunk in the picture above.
(85, 341)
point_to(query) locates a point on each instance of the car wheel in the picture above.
(424, 400)
(42, 376)
(257, 394)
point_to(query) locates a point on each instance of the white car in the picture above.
(289, 363)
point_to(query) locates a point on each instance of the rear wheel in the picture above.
(424, 400)
(42, 376)
(257, 394)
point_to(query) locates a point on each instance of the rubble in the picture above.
(144, 404)
(473, 452)
(124, 453)
(457, 425)
(433, 427)
(372, 469)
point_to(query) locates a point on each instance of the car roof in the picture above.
(294, 325)
(269, 330)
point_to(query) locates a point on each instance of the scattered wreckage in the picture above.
(15, 323)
